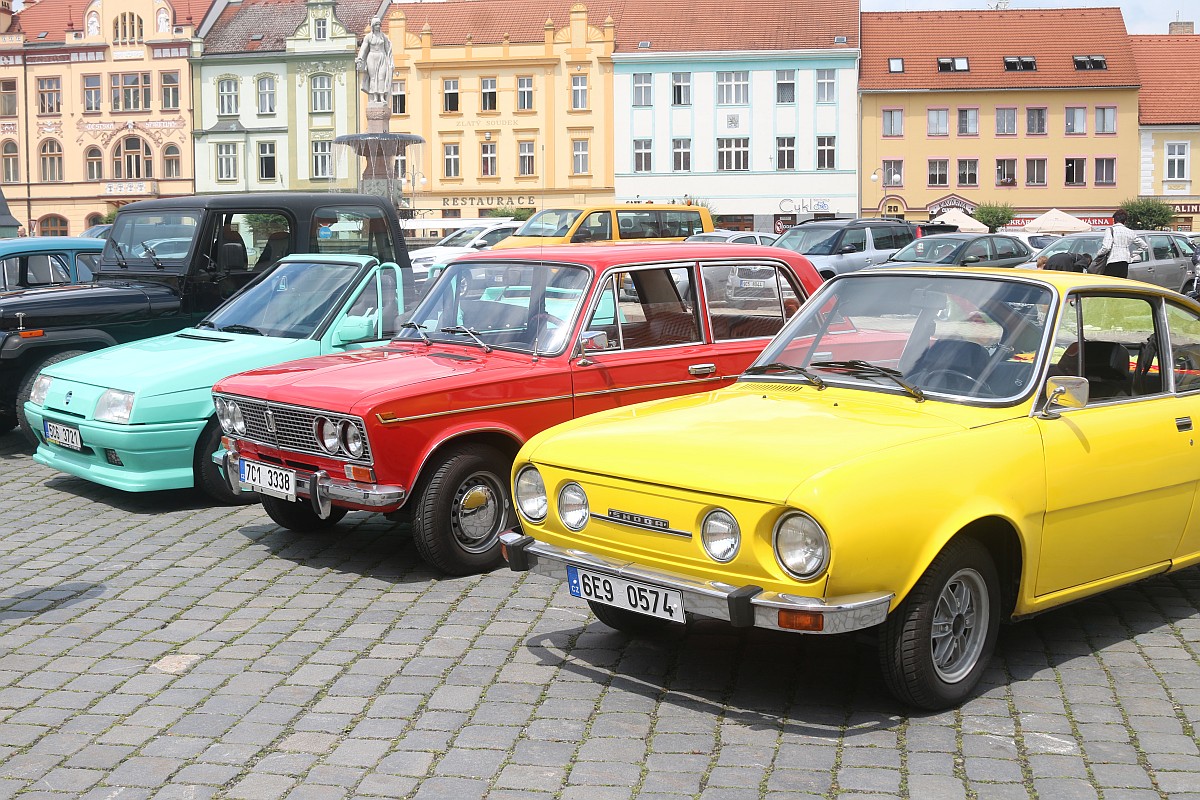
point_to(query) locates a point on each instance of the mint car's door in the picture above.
(644, 341)
(1120, 473)
(373, 313)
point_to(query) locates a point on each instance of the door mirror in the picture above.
(1065, 391)
(847, 248)
(594, 340)
(971, 260)
(354, 329)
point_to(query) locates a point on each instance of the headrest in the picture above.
(1105, 360)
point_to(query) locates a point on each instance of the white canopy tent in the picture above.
(1055, 221)
(965, 222)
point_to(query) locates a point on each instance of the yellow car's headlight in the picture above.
(720, 535)
(529, 490)
(573, 506)
(801, 545)
(114, 406)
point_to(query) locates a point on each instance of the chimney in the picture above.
(6, 15)
(1181, 28)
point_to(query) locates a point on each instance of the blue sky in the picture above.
(1141, 16)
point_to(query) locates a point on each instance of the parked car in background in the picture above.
(97, 231)
(503, 345)
(734, 237)
(962, 249)
(460, 242)
(837, 246)
(169, 262)
(1035, 241)
(35, 262)
(920, 453)
(1169, 262)
(629, 222)
(139, 417)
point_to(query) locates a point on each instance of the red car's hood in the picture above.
(340, 382)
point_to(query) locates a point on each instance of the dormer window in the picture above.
(895, 65)
(958, 64)
(320, 29)
(1019, 63)
(1091, 62)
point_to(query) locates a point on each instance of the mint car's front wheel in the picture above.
(208, 475)
(298, 515)
(935, 646)
(461, 508)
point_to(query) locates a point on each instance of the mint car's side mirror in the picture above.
(355, 329)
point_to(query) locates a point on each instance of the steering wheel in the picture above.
(948, 380)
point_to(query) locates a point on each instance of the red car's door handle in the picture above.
(702, 369)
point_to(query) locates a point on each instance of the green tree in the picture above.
(518, 214)
(108, 217)
(1148, 215)
(994, 215)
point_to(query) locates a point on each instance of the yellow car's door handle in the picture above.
(702, 369)
(1183, 424)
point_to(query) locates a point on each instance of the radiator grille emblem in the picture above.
(270, 420)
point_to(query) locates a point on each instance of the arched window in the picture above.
(171, 162)
(52, 225)
(127, 28)
(133, 159)
(12, 163)
(94, 161)
(51, 161)
(92, 220)
(322, 94)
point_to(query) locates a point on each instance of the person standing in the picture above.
(1117, 244)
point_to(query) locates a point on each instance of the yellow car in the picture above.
(922, 452)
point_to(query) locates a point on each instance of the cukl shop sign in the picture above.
(804, 205)
(490, 201)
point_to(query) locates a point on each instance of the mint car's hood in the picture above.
(748, 441)
(193, 358)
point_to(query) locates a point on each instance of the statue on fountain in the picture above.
(374, 61)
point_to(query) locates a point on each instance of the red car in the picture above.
(504, 345)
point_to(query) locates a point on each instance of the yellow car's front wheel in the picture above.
(935, 646)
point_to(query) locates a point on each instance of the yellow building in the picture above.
(1169, 113)
(514, 104)
(1001, 107)
(95, 107)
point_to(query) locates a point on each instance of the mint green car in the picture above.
(140, 417)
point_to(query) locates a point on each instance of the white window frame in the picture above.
(524, 93)
(1178, 161)
(320, 96)
(322, 160)
(733, 153)
(451, 160)
(488, 167)
(1075, 120)
(681, 89)
(226, 161)
(785, 153)
(526, 159)
(733, 88)
(893, 172)
(580, 157)
(643, 155)
(1106, 119)
(643, 89)
(228, 102)
(893, 122)
(267, 152)
(1104, 171)
(826, 86)
(933, 117)
(579, 92)
(785, 86)
(266, 95)
(826, 152)
(449, 92)
(489, 95)
(681, 155)
(320, 29)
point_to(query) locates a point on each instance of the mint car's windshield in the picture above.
(511, 306)
(151, 239)
(809, 240)
(551, 222)
(930, 250)
(461, 237)
(291, 301)
(962, 337)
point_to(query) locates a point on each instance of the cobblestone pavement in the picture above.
(152, 646)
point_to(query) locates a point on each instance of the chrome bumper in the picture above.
(741, 606)
(321, 489)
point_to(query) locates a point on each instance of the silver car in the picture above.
(1168, 263)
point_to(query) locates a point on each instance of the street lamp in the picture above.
(890, 180)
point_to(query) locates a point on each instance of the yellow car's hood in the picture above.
(752, 440)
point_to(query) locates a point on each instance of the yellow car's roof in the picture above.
(1062, 281)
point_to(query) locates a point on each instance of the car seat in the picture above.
(276, 247)
(1106, 367)
(948, 364)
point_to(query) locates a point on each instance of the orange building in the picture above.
(1033, 108)
(95, 107)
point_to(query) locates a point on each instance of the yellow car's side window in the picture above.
(1115, 349)
(1183, 327)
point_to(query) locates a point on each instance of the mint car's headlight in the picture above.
(40, 386)
(720, 535)
(327, 434)
(801, 545)
(114, 406)
(530, 493)
(352, 440)
(573, 506)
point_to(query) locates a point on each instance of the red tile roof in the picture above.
(56, 17)
(681, 26)
(274, 21)
(1170, 70)
(1052, 36)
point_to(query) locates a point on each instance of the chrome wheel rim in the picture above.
(960, 624)
(477, 513)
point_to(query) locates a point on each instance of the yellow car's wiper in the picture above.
(779, 366)
(859, 368)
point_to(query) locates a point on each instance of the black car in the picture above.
(962, 249)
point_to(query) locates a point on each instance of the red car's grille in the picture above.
(295, 428)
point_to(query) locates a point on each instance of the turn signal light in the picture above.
(813, 621)
(361, 474)
(228, 443)
(32, 334)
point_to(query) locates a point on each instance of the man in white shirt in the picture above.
(1118, 241)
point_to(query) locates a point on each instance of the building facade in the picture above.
(760, 127)
(275, 83)
(1003, 107)
(95, 108)
(1169, 118)
(515, 108)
